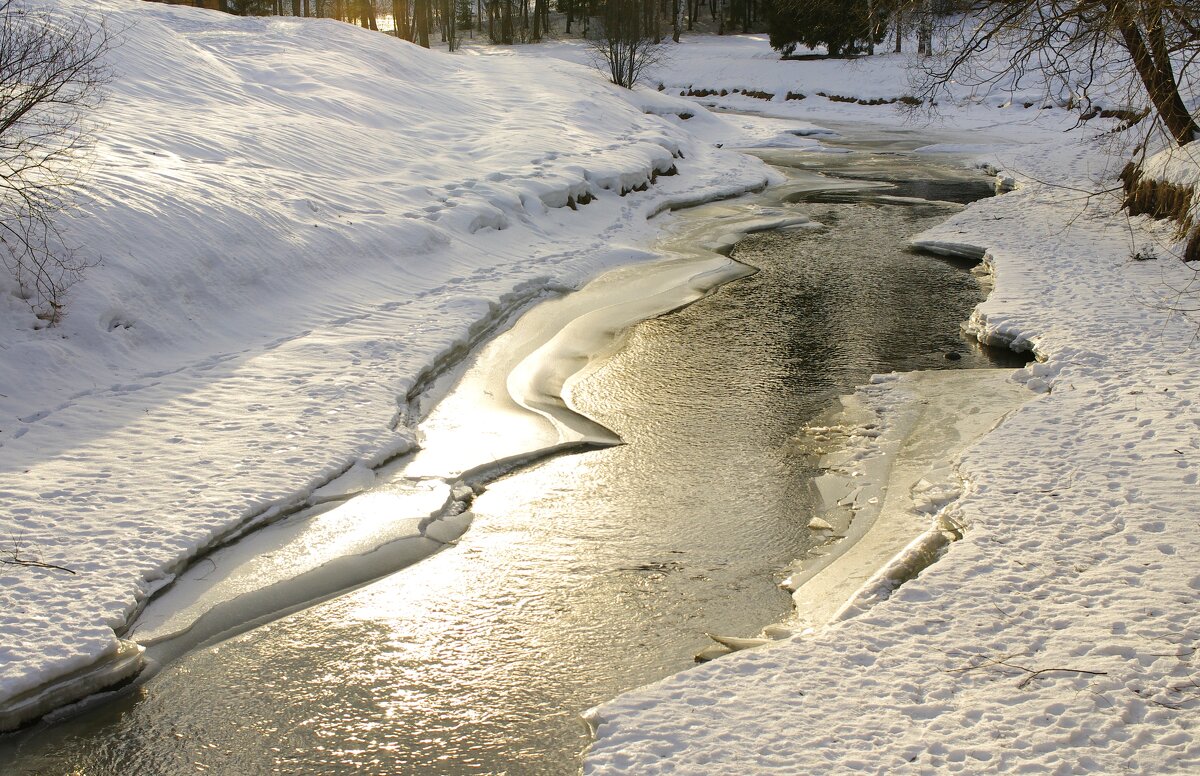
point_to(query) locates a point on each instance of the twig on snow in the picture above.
(1033, 673)
(11, 556)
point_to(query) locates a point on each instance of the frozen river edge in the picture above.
(891, 481)
(270, 570)
(201, 606)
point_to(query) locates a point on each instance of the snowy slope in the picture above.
(1060, 635)
(295, 220)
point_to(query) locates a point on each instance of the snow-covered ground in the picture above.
(1059, 635)
(297, 220)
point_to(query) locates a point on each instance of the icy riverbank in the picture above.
(1059, 634)
(292, 240)
(512, 406)
(887, 478)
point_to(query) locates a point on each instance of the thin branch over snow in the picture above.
(51, 75)
(13, 556)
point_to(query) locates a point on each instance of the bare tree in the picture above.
(51, 75)
(623, 47)
(1076, 47)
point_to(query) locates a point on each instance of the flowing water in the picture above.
(592, 573)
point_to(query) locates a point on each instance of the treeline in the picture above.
(851, 27)
(516, 21)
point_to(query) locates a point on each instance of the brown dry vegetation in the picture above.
(1160, 199)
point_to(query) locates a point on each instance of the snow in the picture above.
(297, 223)
(1180, 166)
(1058, 635)
(885, 476)
(265, 306)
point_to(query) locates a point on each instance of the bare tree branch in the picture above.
(51, 74)
(14, 556)
(1075, 48)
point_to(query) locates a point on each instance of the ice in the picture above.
(287, 551)
(1056, 634)
(270, 292)
(356, 479)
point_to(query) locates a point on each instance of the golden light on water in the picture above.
(581, 577)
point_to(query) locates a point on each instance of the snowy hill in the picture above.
(294, 220)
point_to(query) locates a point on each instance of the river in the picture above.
(602, 568)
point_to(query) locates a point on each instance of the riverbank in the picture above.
(1059, 633)
(887, 479)
(649, 555)
(270, 298)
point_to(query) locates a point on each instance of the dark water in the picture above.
(589, 574)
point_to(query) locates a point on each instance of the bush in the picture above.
(624, 48)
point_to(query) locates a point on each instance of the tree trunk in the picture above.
(925, 30)
(1156, 74)
(421, 22)
(400, 18)
(536, 33)
(506, 22)
(871, 28)
(451, 25)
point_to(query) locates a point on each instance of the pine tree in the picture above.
(844, 27)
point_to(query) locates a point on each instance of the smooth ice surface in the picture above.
(283, 552)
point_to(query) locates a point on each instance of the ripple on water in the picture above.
(588, 574)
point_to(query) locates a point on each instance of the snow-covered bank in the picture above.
(883, 487)
(1059, 635)
(511, 406)
(291, 237)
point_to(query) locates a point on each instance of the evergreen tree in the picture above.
(843, 26)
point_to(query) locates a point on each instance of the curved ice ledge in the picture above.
(510, 408)
(125, 661)
(892, 479)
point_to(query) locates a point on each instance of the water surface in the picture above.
(588, 574)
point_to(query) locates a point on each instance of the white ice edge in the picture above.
(917, 555)
(123, 662)
(898, 481)
(951, 250)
